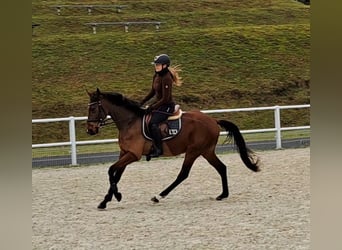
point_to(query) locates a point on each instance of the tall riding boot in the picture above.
(156, 140)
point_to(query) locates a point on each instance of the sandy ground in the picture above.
(266, 210)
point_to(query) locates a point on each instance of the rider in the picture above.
(163, 79)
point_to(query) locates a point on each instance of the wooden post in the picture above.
(89, 10)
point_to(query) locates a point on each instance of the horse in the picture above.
(198, 136)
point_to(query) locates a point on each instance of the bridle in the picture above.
(101, 121)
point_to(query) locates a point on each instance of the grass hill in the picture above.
(232, 53)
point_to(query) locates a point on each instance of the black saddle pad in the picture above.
(169, 128)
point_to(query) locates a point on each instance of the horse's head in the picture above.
(96, 113)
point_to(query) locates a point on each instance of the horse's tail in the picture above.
(247, 155)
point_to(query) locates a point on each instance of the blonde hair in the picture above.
(177, 80)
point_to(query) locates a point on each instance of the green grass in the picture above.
(233, 54)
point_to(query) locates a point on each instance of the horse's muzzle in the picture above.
(91, 132)
(92, 129)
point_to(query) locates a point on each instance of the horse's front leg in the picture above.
(115, 172)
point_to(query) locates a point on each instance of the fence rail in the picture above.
(73, 142)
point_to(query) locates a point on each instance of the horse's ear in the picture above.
(97, 91)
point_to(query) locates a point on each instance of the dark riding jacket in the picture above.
(162, 89)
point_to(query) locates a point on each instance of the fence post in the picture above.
(72, 135)
(277, 126)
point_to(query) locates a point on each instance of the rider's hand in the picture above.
(148, 109)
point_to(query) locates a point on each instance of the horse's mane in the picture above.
(120, 100)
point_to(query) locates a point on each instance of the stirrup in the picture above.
(153, 154)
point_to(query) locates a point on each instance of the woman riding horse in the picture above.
(198, 137)
(164, 105)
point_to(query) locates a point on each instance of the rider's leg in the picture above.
(156, 140)
(159, 116)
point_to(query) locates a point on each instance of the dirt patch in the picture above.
(266, 210)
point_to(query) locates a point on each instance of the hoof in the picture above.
(221, 197)
(148, 157)
(101, 206)
(118, 196)
(154, 199)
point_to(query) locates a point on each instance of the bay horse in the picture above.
(198, 137)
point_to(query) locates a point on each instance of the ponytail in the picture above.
(177, 80)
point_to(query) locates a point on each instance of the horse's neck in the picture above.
(122, 117)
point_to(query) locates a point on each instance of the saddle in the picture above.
(169, 128)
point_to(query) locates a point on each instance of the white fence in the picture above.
(72, 133)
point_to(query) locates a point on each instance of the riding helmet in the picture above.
(162, 59)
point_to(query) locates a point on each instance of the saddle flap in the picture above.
(169, 128)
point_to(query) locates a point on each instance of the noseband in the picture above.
(101, 121)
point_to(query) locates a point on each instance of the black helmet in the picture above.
(162, 59)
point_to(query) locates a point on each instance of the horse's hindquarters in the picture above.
(199, 132)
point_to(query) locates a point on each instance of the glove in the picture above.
(148, 110)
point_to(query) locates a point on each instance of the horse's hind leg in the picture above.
(212, 158)
(183, 174)
(115, 172)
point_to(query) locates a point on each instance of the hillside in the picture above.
(233, 54)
